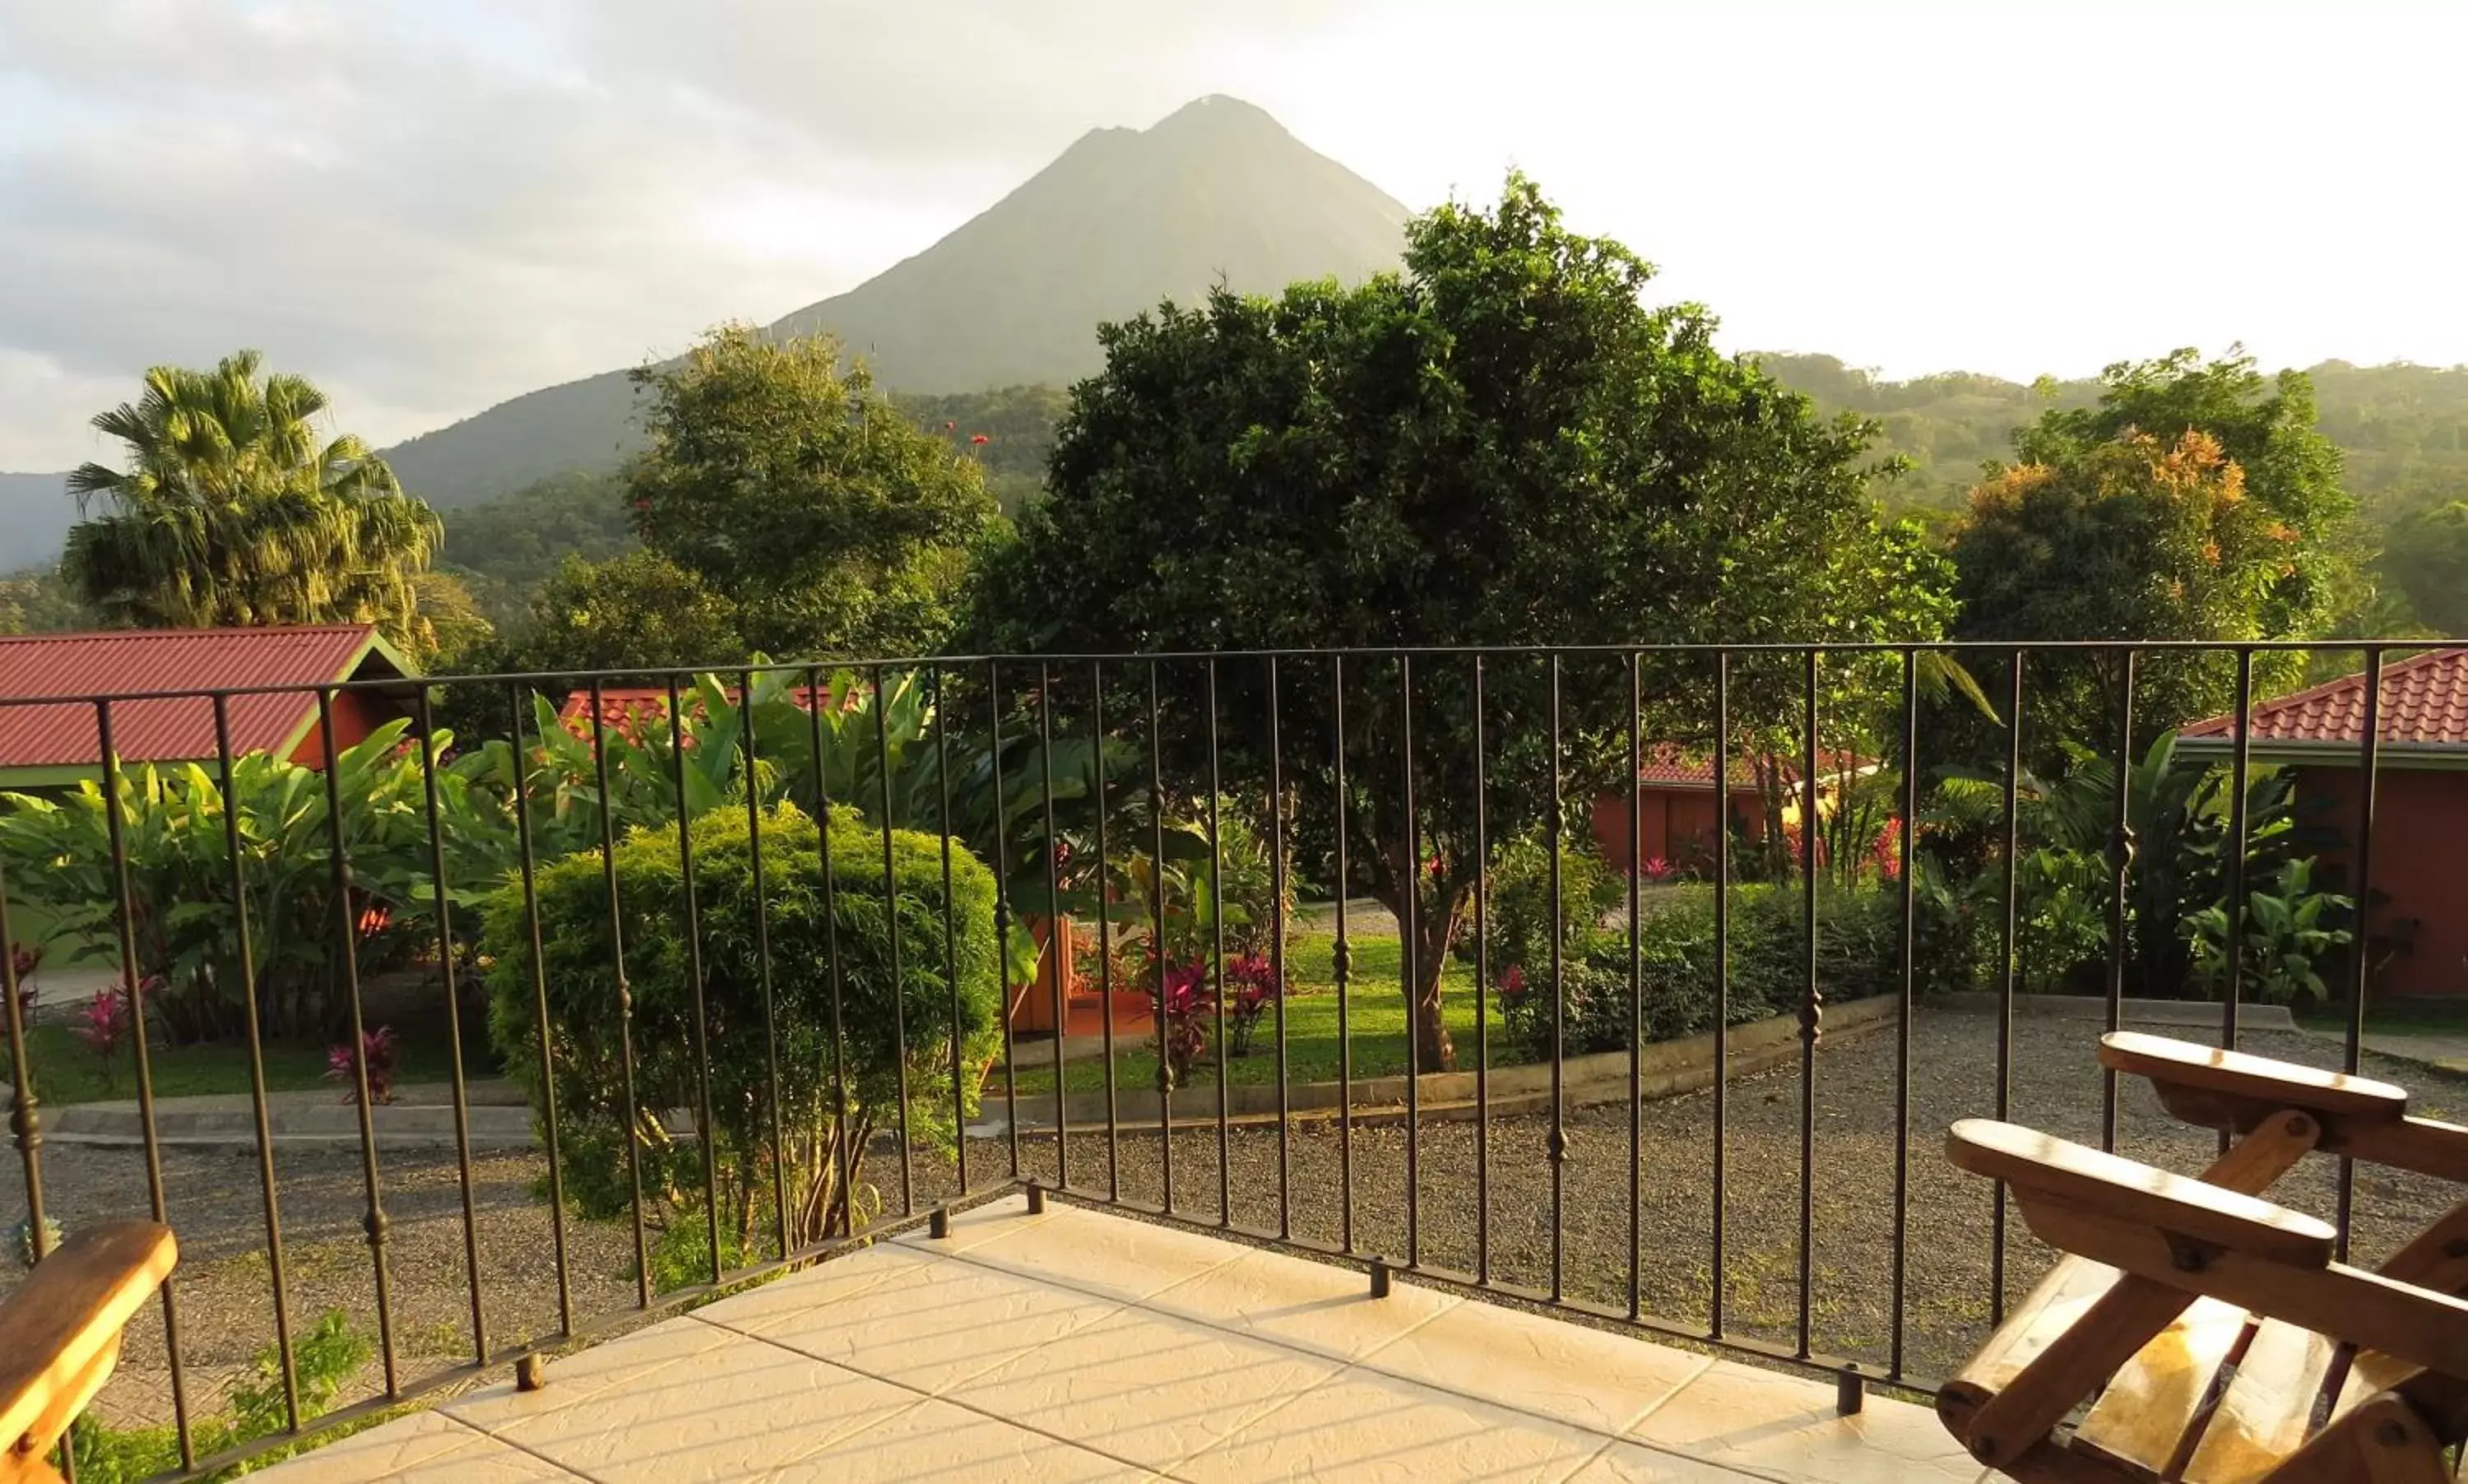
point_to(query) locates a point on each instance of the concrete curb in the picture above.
(1667, 1069)
(422, 1117)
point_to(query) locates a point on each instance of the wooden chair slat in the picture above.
(2051, 1308)
(2144, 1415)
(2267, 1411)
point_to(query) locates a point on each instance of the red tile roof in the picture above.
(130, 662)
(2424, 704)
(1673, 766)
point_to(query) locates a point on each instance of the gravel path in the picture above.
(225, 1313)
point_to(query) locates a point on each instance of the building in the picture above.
(2417, 921)
(48, 684)
(1677, 814)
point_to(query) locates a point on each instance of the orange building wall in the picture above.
(2420, 865)
(356, 714)
(1679, 825)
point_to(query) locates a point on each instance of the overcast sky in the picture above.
(432, 205)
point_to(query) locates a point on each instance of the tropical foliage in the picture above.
(230, 510)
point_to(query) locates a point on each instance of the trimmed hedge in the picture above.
(580, 958)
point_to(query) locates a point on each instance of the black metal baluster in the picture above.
(1409, 896)
(1342, 965)
(1104, 934)
(891, 915)
(528, 866)
(1056, 955)
(1002, 909)
(1217, 951)
(763, 958)
(1277, 953)
(1156, 895)
(624, 989)
(1722, 766)
(2369, 752)
(460, 1092)
(950, 935)
(708, 1148)
(125, 904)
(1812, 1015)
(1903, 1013)
(2120, 860)
(1481, 992)
(1557, 1149)
(276, 1265)
(2240, 770)
(347, 958)
(2007, 966)
(25, 1120)
(844, 1159)
(1637, 986)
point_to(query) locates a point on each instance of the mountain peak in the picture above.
(1220, 116)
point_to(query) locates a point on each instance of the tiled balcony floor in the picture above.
(1075, 1345)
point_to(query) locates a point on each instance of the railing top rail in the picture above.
(657, 675)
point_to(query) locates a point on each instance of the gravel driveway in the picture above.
(225, 1313)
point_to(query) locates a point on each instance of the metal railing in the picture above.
(1417, 743)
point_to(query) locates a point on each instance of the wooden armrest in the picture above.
(2107, 1188)
(60, 1331)
(2232, 1084)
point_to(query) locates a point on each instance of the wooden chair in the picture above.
(2212, 1332)
(60, 1334)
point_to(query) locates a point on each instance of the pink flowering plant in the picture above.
(1252, 989)
(378, 1053)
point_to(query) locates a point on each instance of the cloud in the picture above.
(428, 208)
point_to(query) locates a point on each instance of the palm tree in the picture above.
(231, 512)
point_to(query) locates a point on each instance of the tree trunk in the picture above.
(1434, 933)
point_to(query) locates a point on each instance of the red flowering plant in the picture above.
(1252, 988)
(1656, 868)
(105, 1024)
(377, 1054)
(1186, 1005)
(23, 960)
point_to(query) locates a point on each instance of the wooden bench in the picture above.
(2213, 1333)
(60, 1334)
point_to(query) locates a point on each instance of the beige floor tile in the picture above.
(1293, 1301)
(1630, 1463)
(980, 1225)
(422, 1449)
(1549, 1367)
(1365, 1426)
(575, 1380)
(945, 1444)
(822, 1285)
(731, 1413)
(935, 1324)
(1109, 1256)
(1784, 1428)
(1144, 1388)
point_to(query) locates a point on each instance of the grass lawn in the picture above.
(2415, 1016)
(1375, 1013)
(65, 1071)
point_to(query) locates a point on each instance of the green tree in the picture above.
(2267, 428)
(2129, 538)
(2426, 554)
(633, 612)
(1502, 445)
(38, 601)
(229, 510)
(797, 493)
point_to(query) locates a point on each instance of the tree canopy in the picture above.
(779, 478)
(1502, 445)
(230, 510)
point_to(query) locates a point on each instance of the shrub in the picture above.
(866, 928)
(324, 1358)
(378, 1056)
(1517, 916)
(1858, 955)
